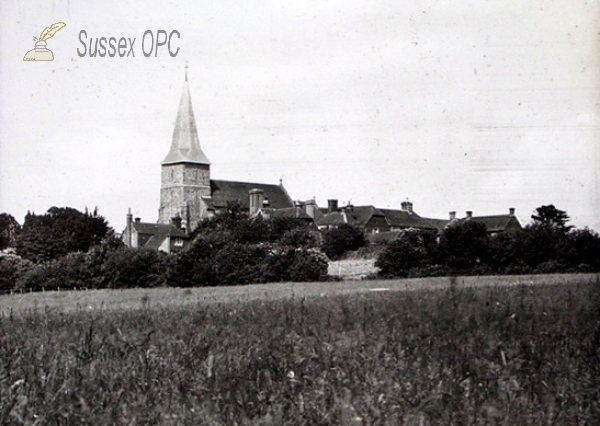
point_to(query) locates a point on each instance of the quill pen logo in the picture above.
(40, 52)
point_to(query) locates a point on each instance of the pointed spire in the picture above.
(185, 147)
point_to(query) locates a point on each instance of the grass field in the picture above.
(490, 350)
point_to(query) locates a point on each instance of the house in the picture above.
(407, 218)
(495, 224)
(169, 238)
(373, 220)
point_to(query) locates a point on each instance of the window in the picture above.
(178, 242)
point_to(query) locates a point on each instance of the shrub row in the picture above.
(270, 251)
(470, 250)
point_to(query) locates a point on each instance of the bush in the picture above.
(342, 239)
(412, 250)
(237, 264)
(12, 268)
(233, 249)
(308, 265)
(465, 246)
(581, 250)
(193, 266)
(74, 270)
(130, 267)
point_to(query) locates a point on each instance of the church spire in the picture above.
(185, 147)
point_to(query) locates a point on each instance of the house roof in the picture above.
(295, 212)
(158, 233)
(208, 201)
(334, 218)
(355, 215)
(224, 191)
(158, 229)
(493, 223)
(360, 215)
(406, 219)
(185, 147)
(438, 224)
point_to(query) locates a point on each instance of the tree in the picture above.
(465, 246)
(552, 217)
(12, 267)
(9, 230)
(60, 231)
(135, 267)
(412, 249)
(581, 250)
(344, 238)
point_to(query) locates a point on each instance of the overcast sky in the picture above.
(463, 105)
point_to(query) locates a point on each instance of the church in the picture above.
(188, 194)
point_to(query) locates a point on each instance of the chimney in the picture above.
(407, 206)
(177, 221)
(138, 219)
(469, 214)
(310, 207)
(452, 215)
(511, 211)
(257, 197)
(332, 205)
(128, 230)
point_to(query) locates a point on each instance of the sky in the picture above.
(473, 105)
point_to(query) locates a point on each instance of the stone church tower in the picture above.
(185, 176)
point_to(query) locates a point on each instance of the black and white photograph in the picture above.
(314, 212)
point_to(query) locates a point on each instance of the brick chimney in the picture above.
(177, 221)
(332, 205)
(452, 215)
(257, 197)
(407, 206)
(511, 211)
(128, 229)
(310, 206)
(469, 214)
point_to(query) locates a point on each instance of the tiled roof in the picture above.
(356, 215)
(295, 212)
(438, 224)
(360, 215)
(406, 219)
(333, 219)
(493, 223)
(224, 191)
(158, 229)
(208, 201)
(158, 233)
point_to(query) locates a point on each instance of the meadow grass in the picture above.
(462, 354)
(125, 299)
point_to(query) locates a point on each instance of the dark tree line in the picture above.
(234, 249)
(65, 248)
(58, 232)
(546, 245)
